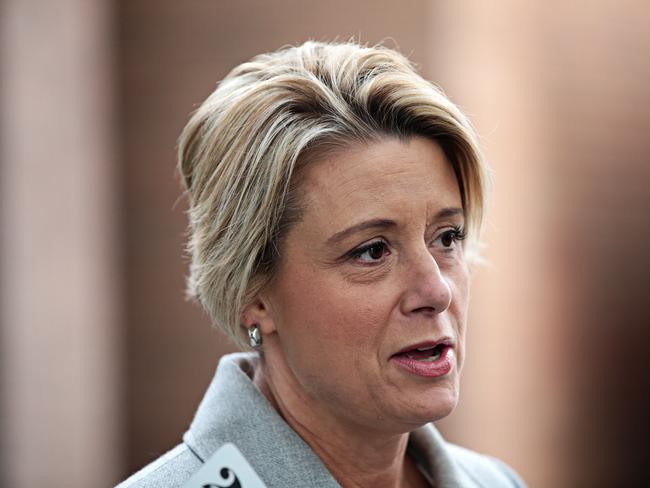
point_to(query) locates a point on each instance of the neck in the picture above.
(355, 456)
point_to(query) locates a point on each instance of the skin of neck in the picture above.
(354, 455)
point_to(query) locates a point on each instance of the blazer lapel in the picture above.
(234, 410)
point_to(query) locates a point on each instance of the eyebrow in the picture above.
(448, 212)
(444, 213)
(368, 224)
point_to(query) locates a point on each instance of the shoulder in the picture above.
(484, 470)
(172, 469)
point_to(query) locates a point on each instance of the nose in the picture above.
(427, 290)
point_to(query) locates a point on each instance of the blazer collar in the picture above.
(234, 410)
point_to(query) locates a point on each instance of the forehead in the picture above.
(380, 179)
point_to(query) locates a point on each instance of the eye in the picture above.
(450, 237)
(371, 253)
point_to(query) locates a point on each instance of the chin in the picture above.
(435, 404)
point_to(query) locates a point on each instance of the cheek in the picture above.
(324, 318)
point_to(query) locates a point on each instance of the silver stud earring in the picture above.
(254, 337)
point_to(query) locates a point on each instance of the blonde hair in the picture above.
(240, 152)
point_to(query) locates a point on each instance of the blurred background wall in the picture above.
(102, 360)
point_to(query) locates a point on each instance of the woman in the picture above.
(336, 200)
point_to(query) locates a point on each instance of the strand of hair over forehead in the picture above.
(273, 109)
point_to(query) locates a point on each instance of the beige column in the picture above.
(59, 306)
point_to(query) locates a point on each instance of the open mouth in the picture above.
(427, 359)
(425, 354)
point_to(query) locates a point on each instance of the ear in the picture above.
(259, 312)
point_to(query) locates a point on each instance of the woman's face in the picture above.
(373, 272)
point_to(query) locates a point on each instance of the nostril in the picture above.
(425, 310)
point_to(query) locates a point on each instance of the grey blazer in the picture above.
(233, 410)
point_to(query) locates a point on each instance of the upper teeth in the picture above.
(433, 357)
(425, 348)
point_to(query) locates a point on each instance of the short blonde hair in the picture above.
(242, 148)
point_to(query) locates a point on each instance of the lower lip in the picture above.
(434, 369)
